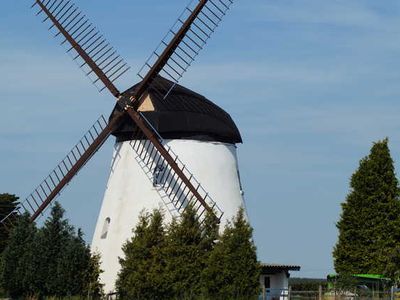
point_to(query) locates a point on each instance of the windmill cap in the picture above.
(184, 114)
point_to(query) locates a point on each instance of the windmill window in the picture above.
(105, 228)
(240, 182)
(158, 175)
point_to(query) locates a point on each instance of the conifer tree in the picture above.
(63, 258)
(52, 242)
(73, 265)
(210, 233)
(142, 267)
(93, 287)
(233, 271)
(52, 261)
(2, 290)
(18, 267)
(8, 203)
(184, 256)
(369, 225)
(393, 267)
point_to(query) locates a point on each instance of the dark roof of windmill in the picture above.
(184, 114)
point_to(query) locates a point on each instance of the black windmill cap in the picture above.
(184, 114)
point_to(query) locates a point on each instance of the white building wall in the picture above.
(279, 284)
(129, 191)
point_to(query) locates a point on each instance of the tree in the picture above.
(233, 271)
(51, 261)
(63, 258)
(209, 233)
(73, 265)
(52, 245)
(93, 286)
(142, 268)
(189, 260)
(393, 267)
(184, 256)
(369, 225)
(18, 267)
(8, 203)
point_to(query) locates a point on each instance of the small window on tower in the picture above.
(158, 176)
(105, 228)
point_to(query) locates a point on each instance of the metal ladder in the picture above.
(173, 192)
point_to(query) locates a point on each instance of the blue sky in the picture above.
(310, 83)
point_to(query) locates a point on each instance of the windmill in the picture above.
(146, 154)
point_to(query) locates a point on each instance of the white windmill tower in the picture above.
(154, 122)
(200, 133)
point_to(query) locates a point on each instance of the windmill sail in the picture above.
(88, 47)
(187, 41)
(160, 152)
(130, 102)
(169, 185)
(179, 186)
(174, 56)
(63, 173)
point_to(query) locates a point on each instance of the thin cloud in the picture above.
(338, 13)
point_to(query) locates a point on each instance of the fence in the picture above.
(325, 294)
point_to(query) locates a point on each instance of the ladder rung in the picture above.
(124, 66)
(115, 58)
(176, 63)
(176, 53)
(61, 171)
(48, 186)
(61, 10)
(187, 45)
(213, 13)
(205, 24)
(171, 77)
(217, 7)
(40, 197)
(209, 19)
(194, 42)
(70, 21)
(66, 168)
(175, 71)
(82, 31)
(226, 7)
(202, 31)
(31, 206)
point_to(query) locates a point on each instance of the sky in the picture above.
(311, 84)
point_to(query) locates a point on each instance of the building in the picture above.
(204, 137)
(274, 280)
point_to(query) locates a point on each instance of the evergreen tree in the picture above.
(233, 271)
(369, 226)
(209, 233)
(93, 287)
(393, 267)
(63, 258)
(210, 237)
(73, 265)
(52, 261)
(2, 290)
(142, 268)
(18, 268)
(184, 256)
(52, 242)
(8, 203)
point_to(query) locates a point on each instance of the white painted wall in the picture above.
(279, 284)
(129, 191)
